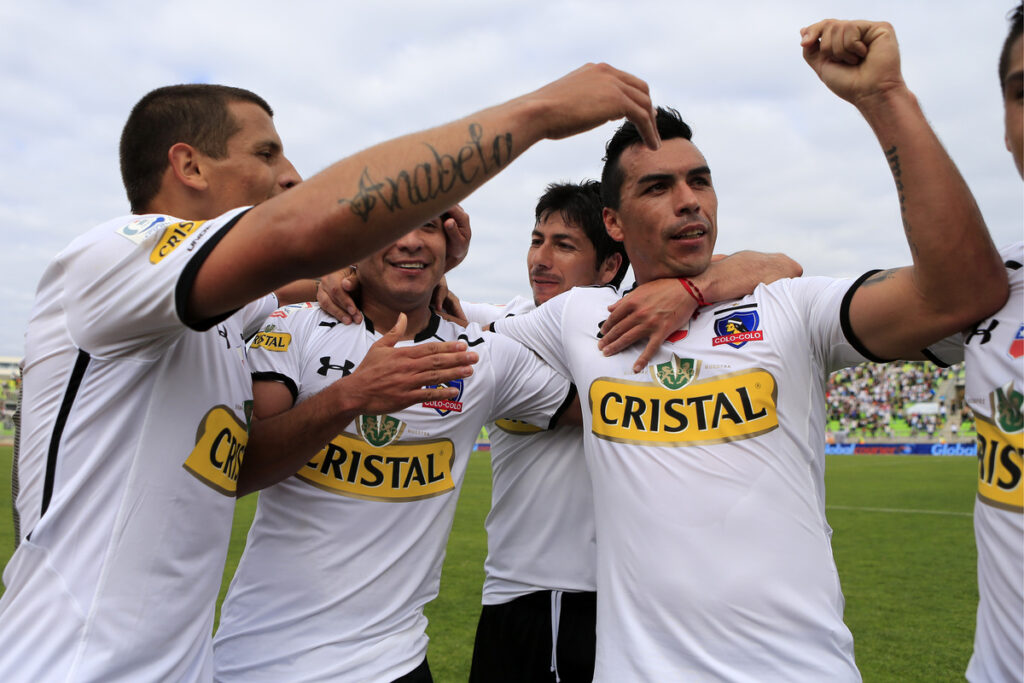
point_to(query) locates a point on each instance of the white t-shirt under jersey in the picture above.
(540, 530)
(342, 557)
(714, 559)
(133, 428)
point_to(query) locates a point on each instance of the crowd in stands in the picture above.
(897, 401)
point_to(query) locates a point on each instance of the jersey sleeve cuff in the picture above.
(188, 277)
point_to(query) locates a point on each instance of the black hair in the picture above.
(196, 114)
(579, 204)
(670, 125)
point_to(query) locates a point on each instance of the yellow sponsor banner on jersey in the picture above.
(999, 466)
(724, 408)
(174, 235)
(272, 341)
(220, 449)
(399, 472)
(517, 426)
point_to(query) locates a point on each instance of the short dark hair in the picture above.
(196, 114)
(579, 204)
(670, 125)
(1016, 17)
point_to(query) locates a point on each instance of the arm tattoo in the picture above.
(880, 277)
(429, 179)
(893, 158)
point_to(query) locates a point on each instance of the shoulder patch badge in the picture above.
(270, 340)
(140, 229)
(736, 328)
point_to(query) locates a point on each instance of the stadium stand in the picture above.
(898, 402)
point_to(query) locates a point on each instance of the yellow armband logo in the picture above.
(173, 237)
(270, 340)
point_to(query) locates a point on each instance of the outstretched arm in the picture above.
(957, 277)
(657, 309)
(283, 438)
(364, 202)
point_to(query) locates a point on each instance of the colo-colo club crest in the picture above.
(675, 373)
(379, 430)
(736, 328)
(445, 406)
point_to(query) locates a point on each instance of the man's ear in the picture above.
(607, 270)
(611, 223)
(184, 160)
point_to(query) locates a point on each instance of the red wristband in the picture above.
(694, 291)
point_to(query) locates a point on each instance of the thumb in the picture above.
(392, 336)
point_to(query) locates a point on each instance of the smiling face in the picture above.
(561, 257)
(401, 277)
(668, 210)
(255, 167)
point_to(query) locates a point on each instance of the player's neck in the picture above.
(384, 318)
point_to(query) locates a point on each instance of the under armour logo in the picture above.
(325, 365)
(985, 332)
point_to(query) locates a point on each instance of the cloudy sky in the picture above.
(796, 169)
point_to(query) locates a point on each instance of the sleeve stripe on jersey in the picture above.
(844, 320)
(564, 407)
(77, 373)
(938, 362)
(278, 377)
(188, 278)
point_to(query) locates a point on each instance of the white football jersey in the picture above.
(342, 557)
(133, 430)
(994, 355)
(714, 558)
(540, 530)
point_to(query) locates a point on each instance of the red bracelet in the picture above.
(694, 291)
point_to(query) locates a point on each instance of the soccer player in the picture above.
(993, 350)
(137, 392)
(713, 555)
(342, 556)
(539, 584)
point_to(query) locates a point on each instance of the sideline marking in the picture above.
(918, 512)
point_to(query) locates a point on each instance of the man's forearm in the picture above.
(281, 444)
(739, 274)
(956, 266)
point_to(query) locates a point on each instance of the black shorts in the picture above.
(421, 674)
(513, 640)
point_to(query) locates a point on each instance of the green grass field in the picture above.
(903, 543)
